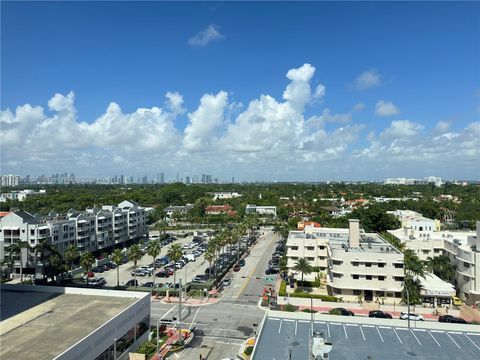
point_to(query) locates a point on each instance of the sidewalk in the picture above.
(187, 302)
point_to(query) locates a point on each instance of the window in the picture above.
(466, 265)
(380, 293)
(368, 277)
(436, 251)
(337, 262)
(321, 247)
(357, 292)
(398, 278)
(355, 277)
(32, 231)
(389, 294)
(294, 257)
(398, 266)
(322, 258)
(355, 263)
(335, 275)
(381, 278)
(398, 294)
(310, 248)
(368, 264)
(337, 291)
(426, 251)
(293, 247)
(381, 265)
(466, 278)
(310, 258)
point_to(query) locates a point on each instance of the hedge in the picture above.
(314, 296)
(283, 288)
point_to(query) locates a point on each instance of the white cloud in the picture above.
(402, 129)
(367, 80)
(320, 92)
(174, 102)
(298, 92)
(386, 108)
(204, 120)
(211, 33)
(442, 126)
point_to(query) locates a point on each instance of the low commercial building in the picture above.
(357, 264)
(462, 248)
(261, 210)
(45, 322)
(435, 291)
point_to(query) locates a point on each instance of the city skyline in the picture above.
(324, 97)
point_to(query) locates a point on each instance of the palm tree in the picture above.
(71, 254)
(45, 249)
(281, 229)
(413, 265)
(175, 254)
(135, 254)
(303, 265)
(117, 257)
(209, 256)
(442, 267)
(15, 249)
(153, 249)
(86, 262)
(161, 226)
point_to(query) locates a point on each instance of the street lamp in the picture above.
(115, 349)
(408, 305)
(289, 353)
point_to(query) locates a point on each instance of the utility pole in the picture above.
(408, 306)
(180, 311)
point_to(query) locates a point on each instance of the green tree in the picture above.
(117, 257)
(86, 262)
(175, 254)
(414, 288)
(16, 249)
(45, 249)
(413, 265)
(153, 249)
(281, 229)
(135, 254)
(303, 265)
(71, 254)
(210, 256)
(442, 267)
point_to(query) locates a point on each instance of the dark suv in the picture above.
(379, 314)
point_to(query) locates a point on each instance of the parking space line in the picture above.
(319, 322)
(384, 327)
(381, 337)
(296, 324)
(303, 321)
(433, 337)
(280, 327)
(452, 340)
(478, 347)
(398, 337)
(455, 332)
(351, 324)
(363, 335)
(288, 320)
(415, 336)
(276, 319)
(475, 334)
(422, 330)
(345, 331)
(402, 328)
(335, 324)
(368, 326)
(437, 331)
(328, 329)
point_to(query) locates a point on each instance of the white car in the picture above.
(412, 316)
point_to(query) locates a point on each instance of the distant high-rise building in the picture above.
(178, 178)
(233, 180)
(187, 180)
(162, 178)
(208, 179)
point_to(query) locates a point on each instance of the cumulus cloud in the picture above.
(442, 126)
(386, 108)
(204, 120)
(402, 129)
(368, 79)
(204, 37)
(298, 93)
(174, 102)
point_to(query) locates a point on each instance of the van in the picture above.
(456, 301)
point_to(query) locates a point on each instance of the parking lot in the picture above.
(364, 341)
(188, 272)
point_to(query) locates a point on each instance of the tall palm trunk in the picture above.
(118, 275)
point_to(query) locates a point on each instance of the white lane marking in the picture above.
(433, 337)
(345, 331)
(275, 319)
(381, 337)
(363, 335)
(476, 334)
(405, 329)
(168, 312)
(455, 332)
(437, 331)
(422, 330)
(328, 329)
(415, 336)
(368, 326)
(303, 321)
(288, 320)
(319, 322)
(452, 340)
(194, 317)
(351, 324)
(280, 327)
(478, 347)
(384, 327)
(335, 324)
(398, 337)
(296, 324)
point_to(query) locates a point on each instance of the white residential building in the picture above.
(90, 231)
(261, 210)
(463, 249)
(415, 221)
(20, 195)
(225, 195)
(357, 263)
(177, 209)
(9, 180)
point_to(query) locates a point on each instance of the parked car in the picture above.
(456, 301)
(227, 281)
(162, 274)
(379, 314)
(138, 272)
(451, 319)
(236, 267)
(271, 270)
(148, 284)
(341, 311)
(98, 282)
(132, 282)
(97, 270)
(241, 262)
(412, 316)
(88, 274)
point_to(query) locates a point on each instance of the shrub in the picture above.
(146, 348)
(248, 350)
(315, 296)
(283, 288)
(309, 311)
(290, 308)
(334, 312)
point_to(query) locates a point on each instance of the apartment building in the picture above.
(357, 264)
(415, 221)
(20, 195)
(92, 230)
(261, 210)
(463, 249)
(169, 211)
(225, 195)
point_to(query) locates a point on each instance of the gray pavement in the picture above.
(359, 341)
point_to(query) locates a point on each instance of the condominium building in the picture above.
(357, 264)
(261, 210)
(9, 180)
(169, 211)
(225, 195)
(92, 230)
(415, 221)
(20, 195)
(463, 249)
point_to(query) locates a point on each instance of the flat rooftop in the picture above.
(44, 324)
(354, 340)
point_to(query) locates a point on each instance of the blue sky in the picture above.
(420, 59)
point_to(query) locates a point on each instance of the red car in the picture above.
(236, 267)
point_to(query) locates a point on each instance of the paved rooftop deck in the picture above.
(355, 341)
(54, 323)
